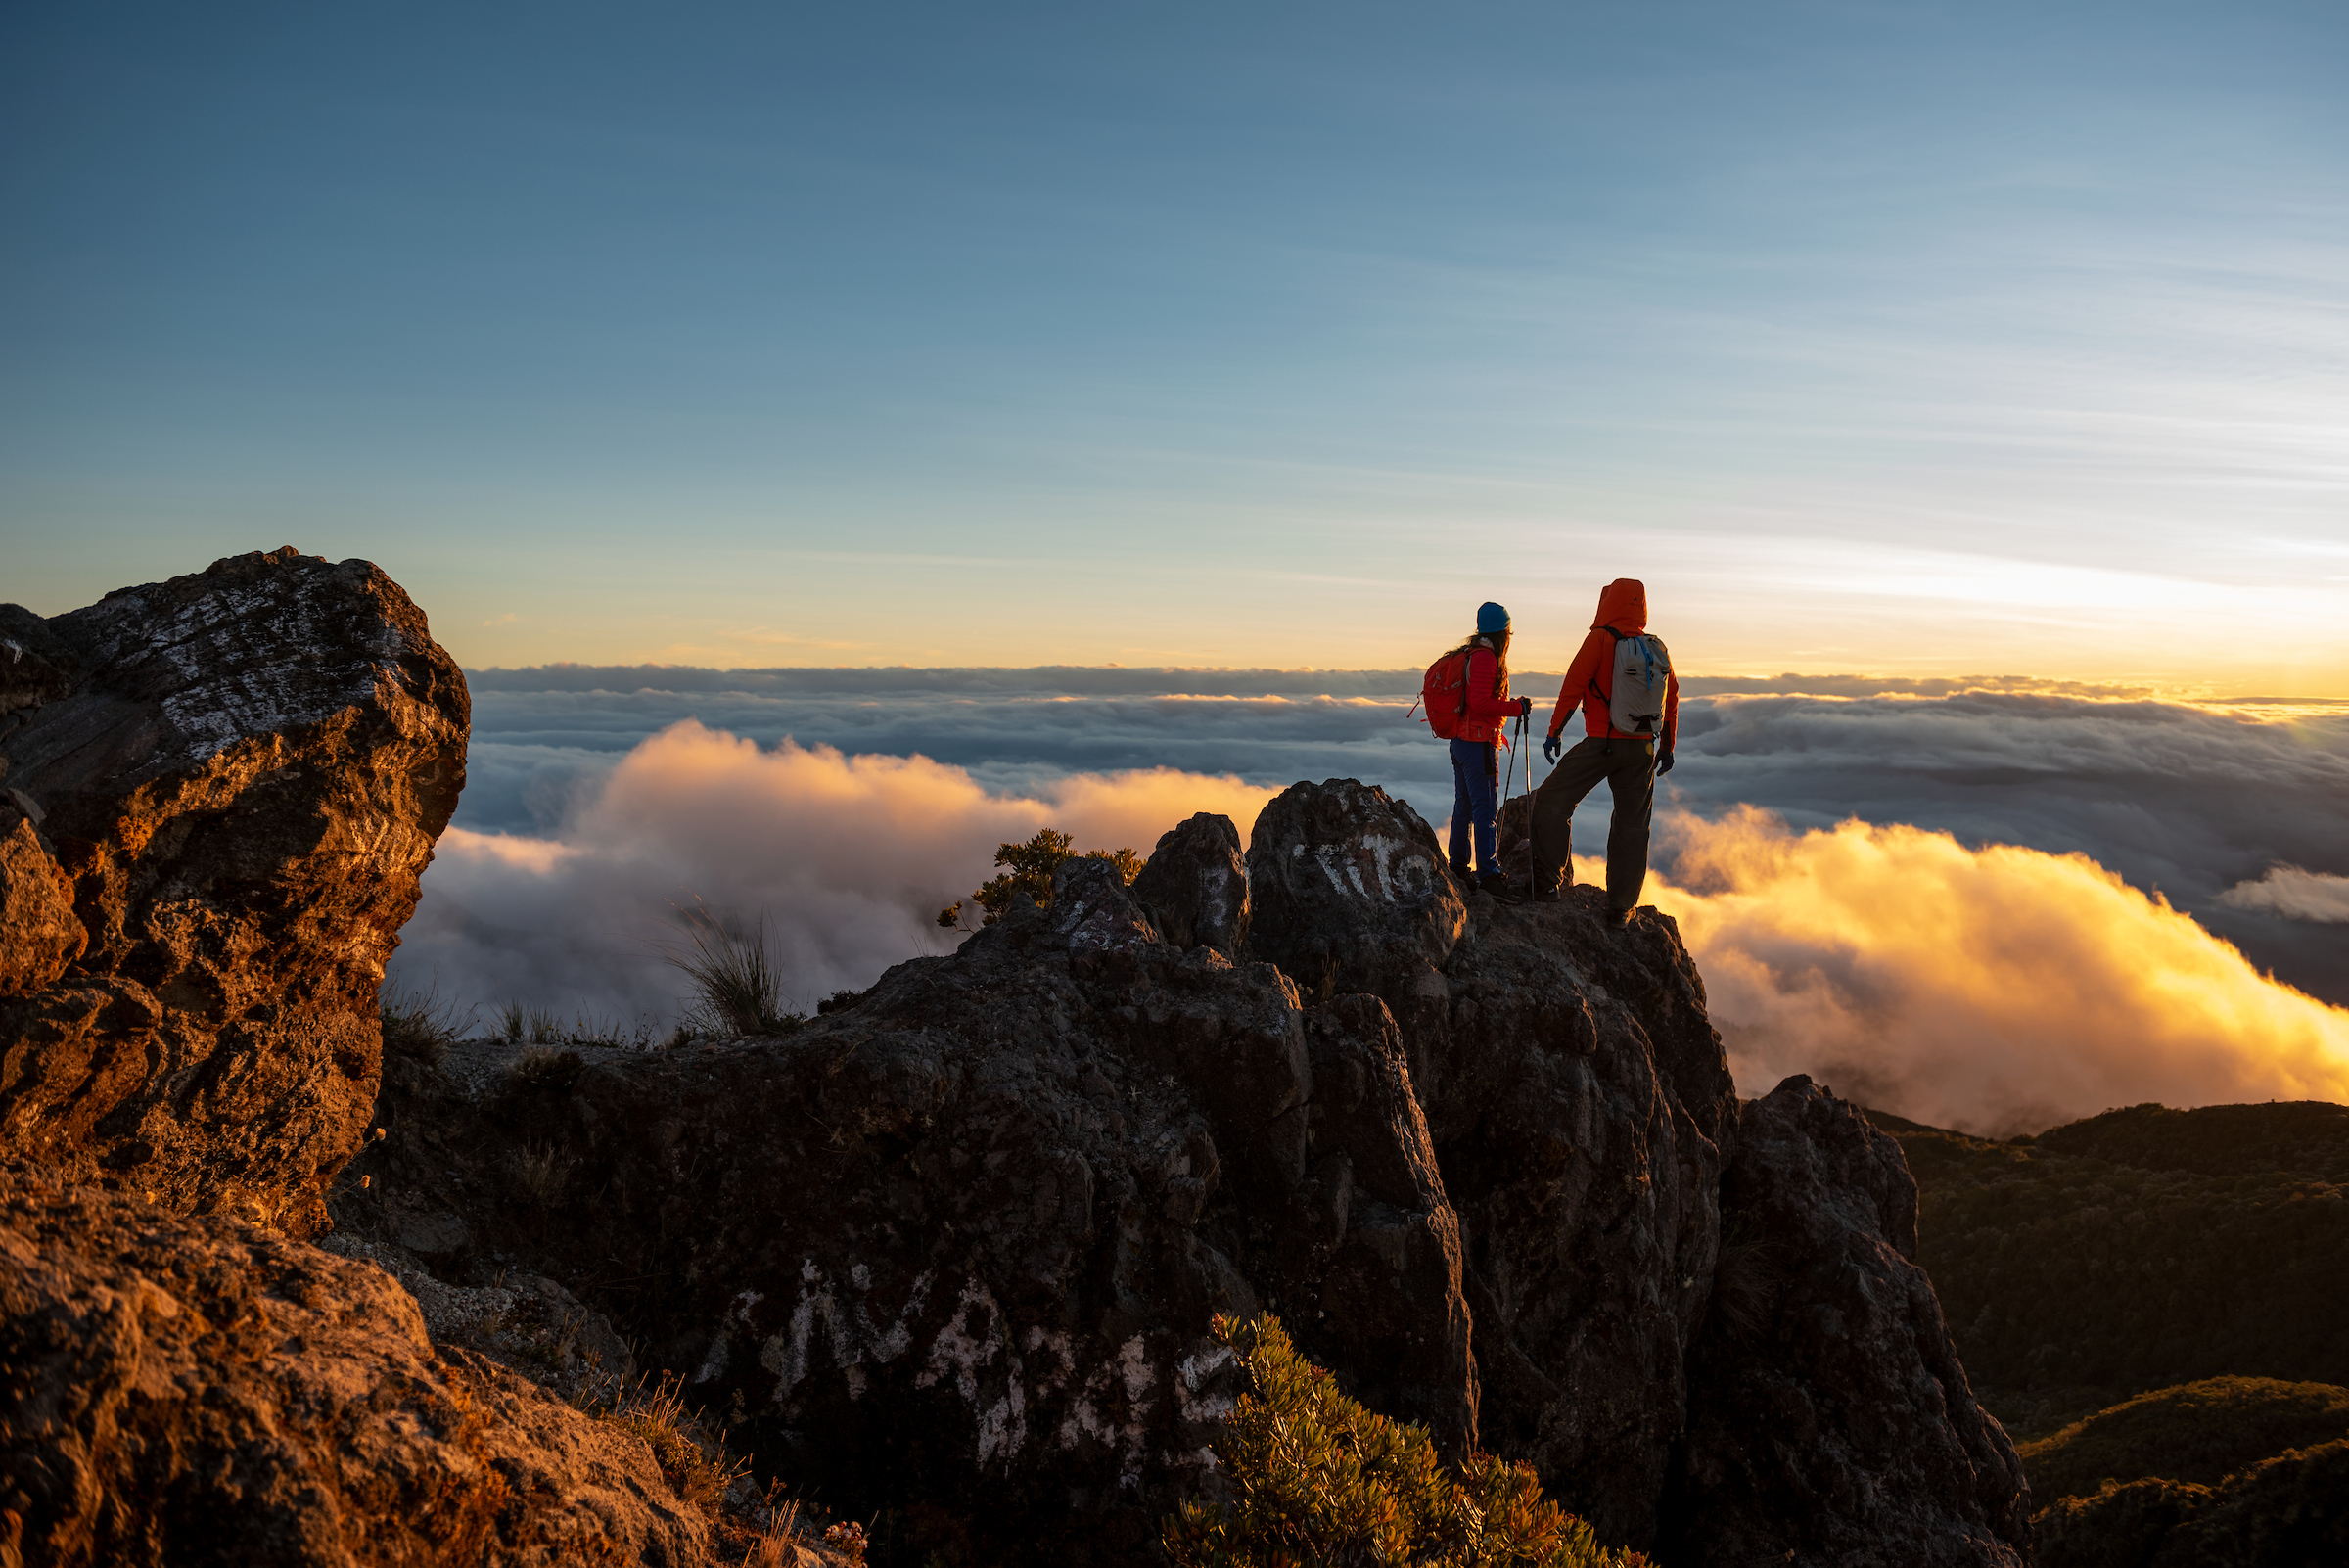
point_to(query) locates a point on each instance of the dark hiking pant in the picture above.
(1629, 769)
(1475, 801)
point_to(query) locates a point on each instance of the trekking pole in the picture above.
(1533, 869)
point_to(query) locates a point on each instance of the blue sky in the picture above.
(1903, 338)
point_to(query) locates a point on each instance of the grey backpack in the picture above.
(1642, 676)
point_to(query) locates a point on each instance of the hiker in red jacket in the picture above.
(1630, 700)
(1476, 748)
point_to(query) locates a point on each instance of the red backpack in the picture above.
(1444, 690)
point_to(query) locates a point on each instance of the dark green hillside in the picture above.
(2288, 1511)
(2203, 1254)
(2138, 1249)
(2198, 1432)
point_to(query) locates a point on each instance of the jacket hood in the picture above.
(1623, 605)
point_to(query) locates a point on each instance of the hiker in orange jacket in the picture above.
(1627, 742)
(1476, 748)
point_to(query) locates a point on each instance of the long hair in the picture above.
(1500, 659)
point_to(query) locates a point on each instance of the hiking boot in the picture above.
(1617, 919)
(1551, 896)
(1497, 885)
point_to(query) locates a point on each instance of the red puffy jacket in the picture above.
(1490, 708)
(1591, 679)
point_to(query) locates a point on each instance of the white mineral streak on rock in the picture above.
(713, 1360)
(1194, 1371)
(958, 1353)
(854, 1336)
(1131, 1369)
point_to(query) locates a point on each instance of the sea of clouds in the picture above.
(1983, 903)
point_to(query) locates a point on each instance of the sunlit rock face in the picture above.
(217, 794)
(186, 1389)
(953, 1249)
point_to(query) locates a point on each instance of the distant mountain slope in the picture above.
(2138, 1249)
(2203, 1255)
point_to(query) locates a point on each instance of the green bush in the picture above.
(2197, 1432)
(1316, 1480)
(1032, 866)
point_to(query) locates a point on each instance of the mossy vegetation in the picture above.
(1316, 1479)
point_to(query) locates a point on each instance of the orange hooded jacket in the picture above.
(1591, 679)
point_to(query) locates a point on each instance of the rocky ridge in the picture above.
(951, 1250)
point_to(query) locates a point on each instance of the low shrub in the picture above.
(1032, 866)
(1314, 1478)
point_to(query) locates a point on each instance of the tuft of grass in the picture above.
(537, 1026)
(695, 1464)
(736, 974)
(418, 1025)
(542, 1171)
(1314, 1477)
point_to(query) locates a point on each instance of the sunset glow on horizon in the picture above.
(1924, 340)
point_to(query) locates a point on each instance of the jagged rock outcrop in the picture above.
(966, 1233)
(233, 779)
(959, 1244)
(1829, 1421)
(1195, 885)
(205, 1391)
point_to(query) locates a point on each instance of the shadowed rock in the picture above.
(954, 1251)
(1829, 1421)
(1349, 889)
(238, 774)
(1195, 885)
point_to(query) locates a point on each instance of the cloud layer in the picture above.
(1984, 985)
(2186, 800)
(848, 856)
(1999, 990)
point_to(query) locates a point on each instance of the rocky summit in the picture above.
(951, 1250)
(952, 1247)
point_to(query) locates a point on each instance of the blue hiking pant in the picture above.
(1475, 801)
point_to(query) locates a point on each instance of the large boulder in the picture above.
(1829, 1421)
(1348, 890)
(1195, 885)
(205, 1390)
(233, 780)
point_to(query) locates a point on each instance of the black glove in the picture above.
(1663, 763)
(1525, 708)
(1550, 750)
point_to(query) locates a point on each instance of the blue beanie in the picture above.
(1491, 617)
